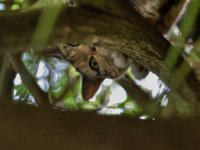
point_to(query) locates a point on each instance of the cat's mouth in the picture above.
(90, 86)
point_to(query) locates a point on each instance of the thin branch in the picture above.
(135, 91)
(7, 75)
(29, 81)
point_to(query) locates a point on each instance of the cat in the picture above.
(95, 63)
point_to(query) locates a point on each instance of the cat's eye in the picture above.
(93, 64)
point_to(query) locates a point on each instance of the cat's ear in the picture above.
(90, 86)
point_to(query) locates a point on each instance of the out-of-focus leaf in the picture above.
(130, 107)
(70, 101)
(88, 106)
(21, 91)
(19, 1)
(15, 7)
(31, 62)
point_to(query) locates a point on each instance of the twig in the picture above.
(29, 81)
(135, 91)
(7, 75)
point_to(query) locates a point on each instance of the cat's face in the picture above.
(95, 64)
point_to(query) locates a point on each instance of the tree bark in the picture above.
(119, 29)
(7, 76)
